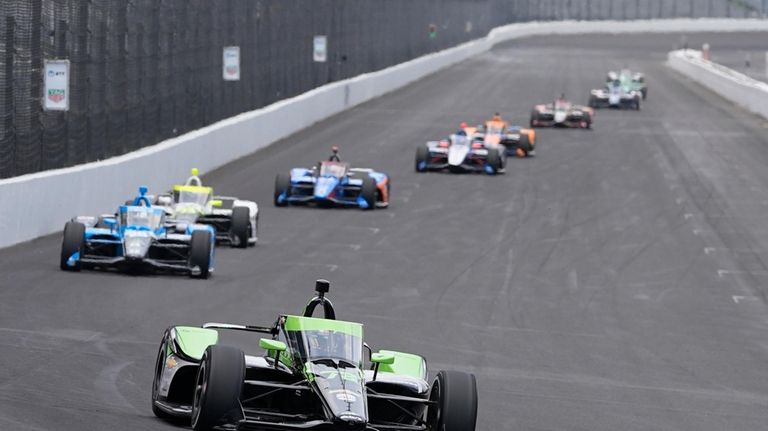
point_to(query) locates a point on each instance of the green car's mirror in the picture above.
(217, 203)
(383, 358)
(272, 345)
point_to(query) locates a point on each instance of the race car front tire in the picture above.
(369, 192)
(200, 253)
(282, 185)
(218, 386)
(74, 238)
(159, 366)
(422, 156)
(645, 93)
(454, 394)
(240, 227)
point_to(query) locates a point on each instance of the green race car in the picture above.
(313, 376)
(631, 81)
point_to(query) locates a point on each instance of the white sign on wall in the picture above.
(56, 86)
(231, 63)
(320, 51)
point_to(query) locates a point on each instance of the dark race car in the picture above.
(333, 182)
(315, 374)
(562, 113)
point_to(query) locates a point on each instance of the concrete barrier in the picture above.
(740, 89)
(39, 204)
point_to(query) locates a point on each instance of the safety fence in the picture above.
(142, 71)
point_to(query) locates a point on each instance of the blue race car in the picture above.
(331, 183)
(137, 238)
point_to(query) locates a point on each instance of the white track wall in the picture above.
(734, 86)
(39, 204)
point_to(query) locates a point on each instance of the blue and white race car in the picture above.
(333, 183)
(137, 237)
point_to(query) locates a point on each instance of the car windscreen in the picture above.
(460, 140)
(312, 345)
(141, 216)
(494, 129)
(193, 197)
(328, 169)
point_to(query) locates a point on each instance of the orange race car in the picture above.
(518, 141)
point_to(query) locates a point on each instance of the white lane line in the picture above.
(723, 272)
(331, 267)
(740, 298)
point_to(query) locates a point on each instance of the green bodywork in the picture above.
(628, 83)
(406, 364)
(193, 341)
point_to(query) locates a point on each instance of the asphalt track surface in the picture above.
(614, 282)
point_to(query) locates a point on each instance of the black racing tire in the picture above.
(637, 103)
(525, 143)
(592, 101)
(494, 159)
(588, 119)
(454, 394)
(159, 365)
(369, 191)
(422, 155)
(218, 387)
(73, 242)
(645, 93)
(534, 117)
(282, 185)
(200, 253)
(240, 227)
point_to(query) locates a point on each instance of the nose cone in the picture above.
(350, 422)
(560, 116)
(137, 244)
(457, 154)
(324, 187)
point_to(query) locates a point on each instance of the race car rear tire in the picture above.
(494, 160)
(592, 101)
(282, 185)
(525, 143)
(645, 93)
(455, 396)
(369, 191)
(200, 253)
(422, 156)
(73, 241)
(534, 117)
(218, 387)
(240, 227)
